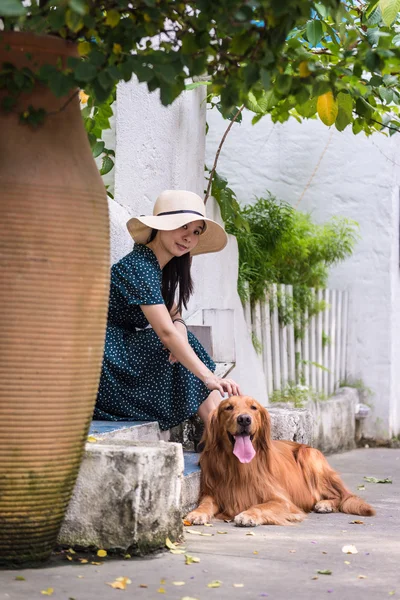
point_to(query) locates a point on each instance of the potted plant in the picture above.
(54, 254)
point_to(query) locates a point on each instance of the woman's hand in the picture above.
(224, 386)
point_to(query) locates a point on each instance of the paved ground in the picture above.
(279, 563)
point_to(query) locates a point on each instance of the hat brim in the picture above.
(213, 239)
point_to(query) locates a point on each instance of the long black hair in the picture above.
(176, 277)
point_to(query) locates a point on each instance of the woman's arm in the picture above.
(160, 320)
(175, 316)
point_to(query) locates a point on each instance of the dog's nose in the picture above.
(244, 420)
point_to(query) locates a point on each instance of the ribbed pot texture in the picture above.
(54, 281)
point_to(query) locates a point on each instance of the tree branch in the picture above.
(387, 126)
(218, 153)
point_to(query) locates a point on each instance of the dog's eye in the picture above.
(230, 407)
(254, 408)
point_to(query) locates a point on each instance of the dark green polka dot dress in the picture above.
(137, 381)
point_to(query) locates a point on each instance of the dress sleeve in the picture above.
(138, 281)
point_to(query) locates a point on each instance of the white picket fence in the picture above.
(323, 343)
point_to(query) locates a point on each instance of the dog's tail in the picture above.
(356, 506)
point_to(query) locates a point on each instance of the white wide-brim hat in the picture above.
(174, 208)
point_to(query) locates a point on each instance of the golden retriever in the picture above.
(247, 477)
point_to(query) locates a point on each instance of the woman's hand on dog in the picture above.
(224, 386)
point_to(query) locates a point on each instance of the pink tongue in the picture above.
(243, 448)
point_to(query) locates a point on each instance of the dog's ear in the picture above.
(209, 439)
(264, 437)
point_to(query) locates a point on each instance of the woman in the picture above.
(153, 369)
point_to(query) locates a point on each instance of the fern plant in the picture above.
(279, 244)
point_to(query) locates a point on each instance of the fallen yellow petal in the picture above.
(191, 559)
(238, 585)
(255, 552)
(83, 561)
(117, 585)
(222, 532)
(350, 549)
(178, 583)
(214, 584)
(362, 577)
(47, 592)
(161, 590)
(102, 553)
(120, 583)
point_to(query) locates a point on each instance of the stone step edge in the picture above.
(146, 431)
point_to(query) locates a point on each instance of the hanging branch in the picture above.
(218, 153)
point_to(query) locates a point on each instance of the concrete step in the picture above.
(134, 431)
(127, 497)
(191, 482)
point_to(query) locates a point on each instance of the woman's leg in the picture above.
(211, 402)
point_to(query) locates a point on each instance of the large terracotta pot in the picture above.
(54, 278)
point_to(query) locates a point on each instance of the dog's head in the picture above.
(241, 426)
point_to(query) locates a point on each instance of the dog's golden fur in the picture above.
(283, 481)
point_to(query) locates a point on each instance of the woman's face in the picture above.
(182, 240)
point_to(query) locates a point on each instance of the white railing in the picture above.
(318, 357)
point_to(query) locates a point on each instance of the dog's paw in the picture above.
(197, 518)
(244, 519)
(295, 517)
(323, 506)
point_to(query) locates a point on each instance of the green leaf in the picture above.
(85, 71)
(308, 109)
(375, 480)
(314, 32)
(12, 8)
(78, 6)
(98, 149)
(106, 166)
(386, 94)
(363, 108)
(196, 84)
(371, 7)
(345, 111)
(324, 572)
(283, 84)
(230, 114)
(390, 9)
(265, 79)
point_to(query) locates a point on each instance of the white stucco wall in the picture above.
(161, 148)
(358, 178)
